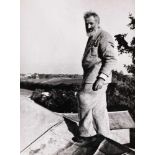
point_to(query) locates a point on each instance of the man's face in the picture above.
(91, 25)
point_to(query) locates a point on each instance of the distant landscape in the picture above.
(62, 89)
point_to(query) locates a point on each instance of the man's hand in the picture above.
(98, 84)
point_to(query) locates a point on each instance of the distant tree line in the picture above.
(49, 76)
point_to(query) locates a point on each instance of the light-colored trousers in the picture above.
(93, 112)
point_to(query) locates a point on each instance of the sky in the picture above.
(53, 36)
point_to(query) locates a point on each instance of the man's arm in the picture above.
(109, 59)
(108, 54)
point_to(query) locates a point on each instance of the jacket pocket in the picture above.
(94, 51)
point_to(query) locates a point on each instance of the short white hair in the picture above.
(91, 13)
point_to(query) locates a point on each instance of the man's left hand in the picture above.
(98, 84)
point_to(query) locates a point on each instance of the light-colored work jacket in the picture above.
(99, 57)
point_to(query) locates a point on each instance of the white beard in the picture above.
(91, 34)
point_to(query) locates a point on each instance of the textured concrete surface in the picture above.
(34, 120)
(56, 140)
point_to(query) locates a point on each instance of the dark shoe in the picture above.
(78, 139)
(83, 141)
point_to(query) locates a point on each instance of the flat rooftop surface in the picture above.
(34, 120)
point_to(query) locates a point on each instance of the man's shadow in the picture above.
(88, 149)
(72, 127)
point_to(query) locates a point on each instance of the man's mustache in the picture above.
(90, 29)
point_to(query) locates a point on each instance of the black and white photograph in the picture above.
(77, 77)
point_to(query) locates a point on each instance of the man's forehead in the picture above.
(90, 19)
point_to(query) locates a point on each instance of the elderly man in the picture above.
(98, 61)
